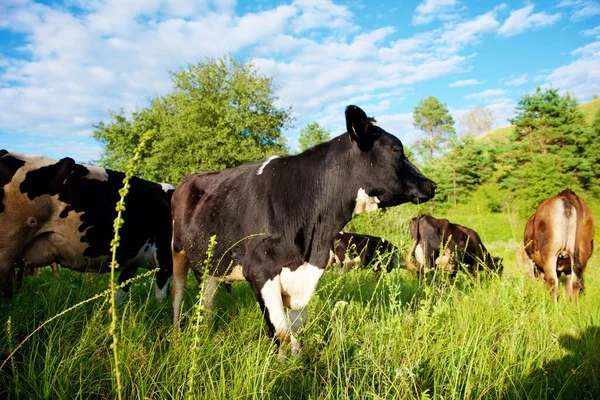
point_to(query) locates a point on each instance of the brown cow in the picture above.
(441, 244)
(559, 239)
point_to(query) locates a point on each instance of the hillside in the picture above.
(501, 134)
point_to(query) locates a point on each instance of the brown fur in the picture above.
(559, 238)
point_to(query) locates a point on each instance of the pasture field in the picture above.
(368, 336)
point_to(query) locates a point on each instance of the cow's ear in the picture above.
(62, 170)
(357, 125)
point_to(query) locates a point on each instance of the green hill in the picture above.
(501, 134)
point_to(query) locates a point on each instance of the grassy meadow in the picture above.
(368, 335)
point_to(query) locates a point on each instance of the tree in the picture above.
(311, 135)
(547, 120)
(433, 118)
(220, 114)
(478, 120)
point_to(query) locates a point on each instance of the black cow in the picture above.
(275, 220)
(63, 212)
(354, 250)
(438, 243)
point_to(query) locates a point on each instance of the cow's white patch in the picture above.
(297, 287)
(96, 173)
(161, 294)
(271, 296)
(420, 255)
(166, 187)
(147, 255)
(236, 274)
(265, 163)
(365, 203)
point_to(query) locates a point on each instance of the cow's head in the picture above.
(387, 173)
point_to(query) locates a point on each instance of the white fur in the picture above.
(419, 255)
(149, 255)
(365, 203)
(97, 173)
(271, 296)
(236, 274)
(300, 284)
(166, 187)
(264, 164)
(161, 294)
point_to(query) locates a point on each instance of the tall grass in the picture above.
(368, 335)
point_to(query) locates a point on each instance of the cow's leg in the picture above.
(180, 272)
(550, 274)
(128, 270)
(297, 287)
(161, 287)
(297, 319)
(574, 283)
(54, 267)
(211, 284)
(271, 304)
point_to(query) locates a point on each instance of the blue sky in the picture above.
(65, 64)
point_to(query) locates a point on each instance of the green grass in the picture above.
(367, 336)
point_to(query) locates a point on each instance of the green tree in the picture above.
(433, 118)
(220, 114)
(547, 120)
(311, 135)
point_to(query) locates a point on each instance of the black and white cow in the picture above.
(63, 212)
(275, 220)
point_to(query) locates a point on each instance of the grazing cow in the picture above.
(440, 244)
(353, 250)
(559, 239)
(275, 220)
(63, 212)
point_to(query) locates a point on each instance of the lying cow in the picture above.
(559, 239)
(63, 212)
(275, 220)
(352, 250)
(440, 244)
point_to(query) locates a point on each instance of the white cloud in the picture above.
(581, 9)
(486, 94)
(591, 32)
(523, 19)
(517, 81)
(465, 82)
(429, 10)
(458, 36)
(581, 77)
(116, 55)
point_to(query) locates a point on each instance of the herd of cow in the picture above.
(277, 222)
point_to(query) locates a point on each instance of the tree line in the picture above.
(223, 113)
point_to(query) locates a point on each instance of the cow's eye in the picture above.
(397, 149)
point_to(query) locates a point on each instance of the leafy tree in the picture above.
(220, 114)
(478, 120)
(468, 164)
(311, 135)
(433, 118)
(547, 120)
